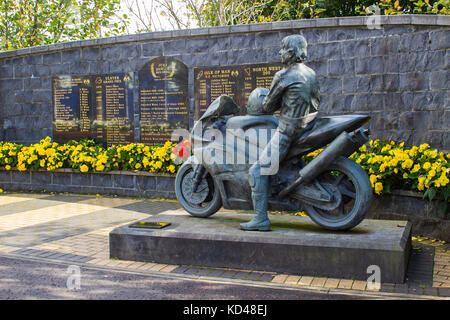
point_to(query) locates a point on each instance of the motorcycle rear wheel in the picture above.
(204, 208)
(355, 187)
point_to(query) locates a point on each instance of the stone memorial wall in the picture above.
(137, 88)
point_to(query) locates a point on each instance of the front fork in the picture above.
(199, 172)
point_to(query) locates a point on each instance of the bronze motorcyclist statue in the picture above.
(332, 189)
(295, 92)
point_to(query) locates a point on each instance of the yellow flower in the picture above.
(84, 168)
(373, 179)
(8, 167)
(100, 167)
(138, 165)
(1, 190)
(426, 165)
(378, 187)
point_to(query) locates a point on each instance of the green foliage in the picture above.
(27, 23)
(231, 12)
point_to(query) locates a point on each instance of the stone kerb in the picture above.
(122, 183)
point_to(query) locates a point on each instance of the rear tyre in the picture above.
(356, 191)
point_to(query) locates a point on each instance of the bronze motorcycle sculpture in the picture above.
(333, 190)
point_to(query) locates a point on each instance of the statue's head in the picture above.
(293, 49)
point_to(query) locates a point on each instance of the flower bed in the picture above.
(394, 166)
(390, 165)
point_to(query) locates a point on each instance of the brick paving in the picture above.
(75, 228)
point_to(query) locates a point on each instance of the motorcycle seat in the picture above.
(246, 122)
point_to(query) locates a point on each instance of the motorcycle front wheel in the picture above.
(356, 193)
(205, 201)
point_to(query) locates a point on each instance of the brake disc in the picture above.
(187, 187)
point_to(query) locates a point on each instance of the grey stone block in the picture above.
(430, 60)
(44, 96)
(146, 183)
(58, 69)
(414, 81)
(369, 65)
(5, 176)
(32, 83)
(112, 53)
(165, 183)
(384, 82)
(42, 178)
(152, 49)
(68, 56)
(356, 48)
(33, 59)
(330, 50)
(197, 45)
(172, 47)
(124, 181)
(40, 71)
(102, 180)
(440, 80)
(22, 71)
(363, 33)
(91, 53)
(330, 85)
(341, 66)
(267, 39)
(6, 71)
(427, 100)
(131, 51)
(63, 179)
(219, 43)
(356, 84)
(81, 179)
(79, 67)
(341, 34)
(23, 97)
(315, 35)
(414, 42)
(396, 29)
(243, 41)
(295, 246)
(20, 177)
(52, 58)
(319, 66)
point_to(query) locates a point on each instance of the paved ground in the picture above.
(73, 229)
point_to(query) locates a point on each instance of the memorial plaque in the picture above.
(114, 97)
(99, 107)
(212, 82)
(236, 81)
(163, 99)
(74, 102)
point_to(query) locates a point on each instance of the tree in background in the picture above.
(28, 23)
(231, 12)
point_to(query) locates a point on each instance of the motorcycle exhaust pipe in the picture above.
(344, 145)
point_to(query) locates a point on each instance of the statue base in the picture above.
(295, 245)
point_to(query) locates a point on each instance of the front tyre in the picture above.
(355, 190)
(203, 203)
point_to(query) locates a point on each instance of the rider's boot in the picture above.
(260, 222)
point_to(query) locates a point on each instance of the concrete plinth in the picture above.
(295, 245)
